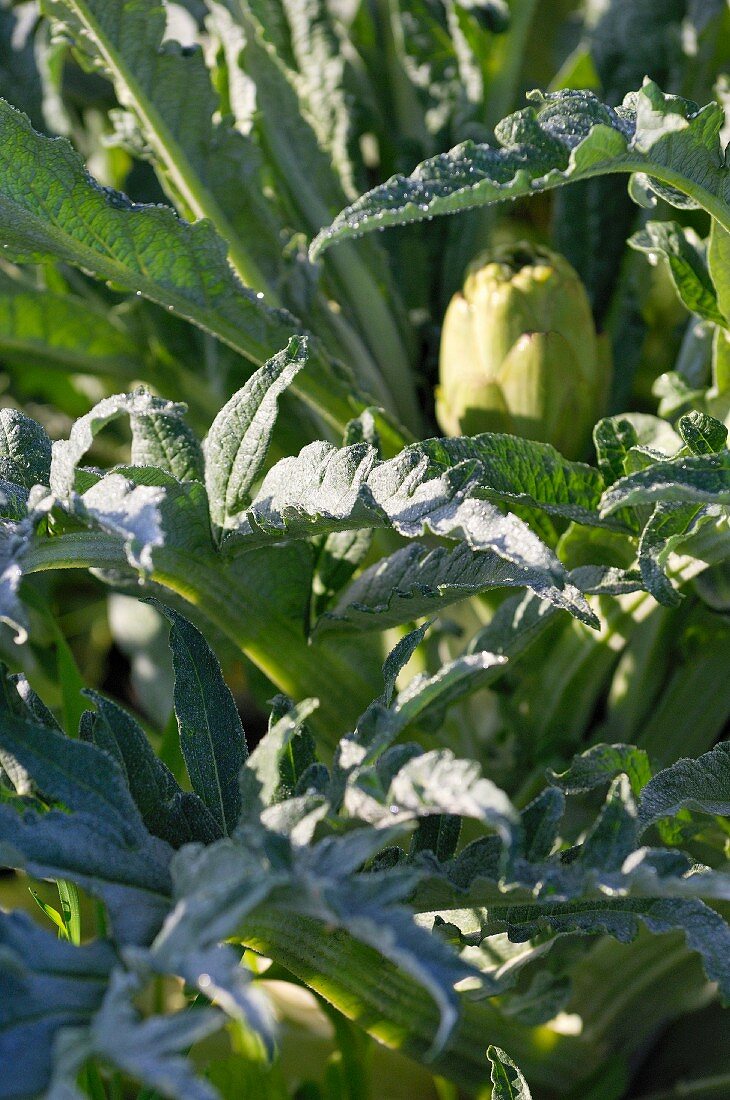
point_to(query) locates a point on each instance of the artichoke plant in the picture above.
(519, 352)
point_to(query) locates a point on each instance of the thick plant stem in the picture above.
(394, 1009)
(237, 607)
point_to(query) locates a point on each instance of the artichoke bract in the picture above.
(520, 354)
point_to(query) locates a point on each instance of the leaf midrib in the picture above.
(170, 152)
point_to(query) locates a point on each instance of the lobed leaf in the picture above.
(50, 208)
(705, 930)
(103, 845)
(416, 581)
(685, 258)
(152, 1050)
(602, 763)
(566, 136)
(325, 489)
(210, 169)
(702, 784)
(67, 453)
(684, 480)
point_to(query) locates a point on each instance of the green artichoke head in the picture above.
(519, 352)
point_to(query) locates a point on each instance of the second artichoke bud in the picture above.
(519, 352)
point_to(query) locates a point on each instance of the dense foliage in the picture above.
(480, 810)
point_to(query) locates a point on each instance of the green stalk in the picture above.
(236, 606)
(508, 55)
(273, 641)
(562, 700)
(375, 319)
(91, 1082)
(693, 710)
(624, 993)
(394, 1009)
(355, 284)
(402, 104)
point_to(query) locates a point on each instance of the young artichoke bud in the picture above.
(519, 352)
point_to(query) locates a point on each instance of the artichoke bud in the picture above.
(519, 352)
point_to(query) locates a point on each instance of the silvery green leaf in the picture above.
(119, 507)
(704, 929)
(215, 889)
(562, 137)
(684, 254)
(320, 490)
(365, 906)
(508, 1082)
(416, 581)
(166, 442)
(420, 491)
(48, 985)
(76, 774)
(175, 815)
(132, 881)
(431, 783)
(154, 1050)
(701, 479)
(264, 776)
(67, 453)
(702, 784)
(211, 735)
(12, 704)
(438, 834)
(25, 450)
(602, 763)
(217, 972)
(102, 845)
(239, 437)
(15, 539)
